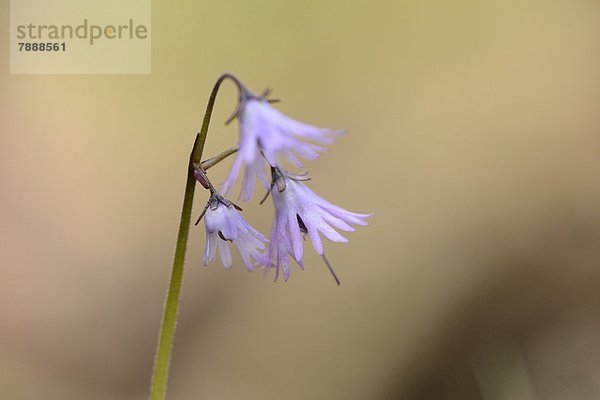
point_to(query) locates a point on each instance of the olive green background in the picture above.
(473, 137)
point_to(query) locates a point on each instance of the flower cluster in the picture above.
(267, 139)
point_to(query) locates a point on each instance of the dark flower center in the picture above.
(223, 237)
(301, 224)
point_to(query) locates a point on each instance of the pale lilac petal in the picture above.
(351, 218)
(296, 236)
(333, 208)
(246, 259)
(309, 131)
(210, 251)
(227, 185)
(276, 272)
(225, 253)
(252, 171)
(291, 157)
(331, 233)
(259, 237)
(336, 222)
(307, 151)
(272, 250)
(286, 269)
(248, 182)
(270, 155)
(248, 142)
(315, 238)
(247, 246)
(280, 248)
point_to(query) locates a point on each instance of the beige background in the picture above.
(473, 137)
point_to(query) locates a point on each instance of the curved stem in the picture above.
(164, 347)
(197, 152)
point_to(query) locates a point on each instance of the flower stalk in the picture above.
(171, 309)
(211, 162)
(164, 347)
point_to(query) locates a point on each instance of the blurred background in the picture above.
(473, 137)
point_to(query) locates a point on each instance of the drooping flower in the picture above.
(224, 224)
(298, 211)
(264, 131)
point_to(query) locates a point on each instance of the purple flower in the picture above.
(298, 211)
(224, 224)
(265, 130)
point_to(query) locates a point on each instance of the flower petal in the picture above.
(296, 236)
(224, 253)
(210, 250)
(315, 239)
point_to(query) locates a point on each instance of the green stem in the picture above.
(162, 359)
(167, 331)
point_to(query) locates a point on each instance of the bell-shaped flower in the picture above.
(224, 224)
(264, 131)
(298, 211)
